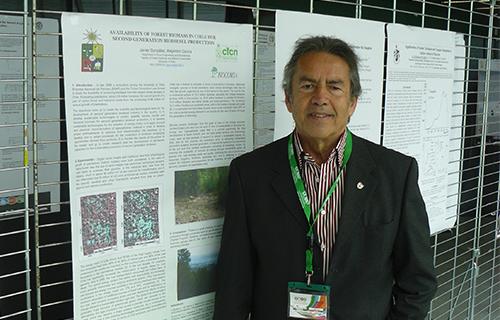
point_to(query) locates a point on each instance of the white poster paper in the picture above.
(419, 89)
(11, 69)
(367, 38)
(457, 118)
(264, 83)
(156, 109)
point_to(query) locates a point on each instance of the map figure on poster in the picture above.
(140, 210)
(98, 214)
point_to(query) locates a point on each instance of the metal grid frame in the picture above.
(467, 256)
(14, 224)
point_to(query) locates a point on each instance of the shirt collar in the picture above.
(336, 155)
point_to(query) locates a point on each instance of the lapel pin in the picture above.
(360, 185)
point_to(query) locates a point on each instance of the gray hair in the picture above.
(329, 45)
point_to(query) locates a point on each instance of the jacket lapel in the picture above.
(360, 184)
(283, 184)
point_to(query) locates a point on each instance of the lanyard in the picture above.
(304, 200)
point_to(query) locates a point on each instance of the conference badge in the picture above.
(308, 301)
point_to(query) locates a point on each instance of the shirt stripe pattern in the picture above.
(317, 180)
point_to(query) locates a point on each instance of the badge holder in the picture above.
(308, 301)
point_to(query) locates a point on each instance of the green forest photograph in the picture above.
(196, 271)
(200, 194)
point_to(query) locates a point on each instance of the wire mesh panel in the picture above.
(15, 282)
(466, 256)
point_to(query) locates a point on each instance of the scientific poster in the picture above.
(418, 100)
(156, 109)
(13, 91)
(264, 88)
(367, 38)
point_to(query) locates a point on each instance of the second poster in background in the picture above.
(418, 110)
(366, 37)
(419, 84)
(155, 109)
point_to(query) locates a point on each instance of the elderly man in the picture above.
(323, 224)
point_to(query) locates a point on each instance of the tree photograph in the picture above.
(195, 271)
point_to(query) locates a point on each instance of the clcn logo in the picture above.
(226, 52)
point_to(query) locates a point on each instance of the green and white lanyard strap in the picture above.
(304, 199)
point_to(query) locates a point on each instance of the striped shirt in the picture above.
(317, 181)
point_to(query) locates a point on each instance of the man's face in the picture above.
(320, 99)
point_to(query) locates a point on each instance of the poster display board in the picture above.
(418, 100)
(13, 91)
(367, 38)
(156, 109)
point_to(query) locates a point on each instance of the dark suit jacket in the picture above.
(382, 262)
